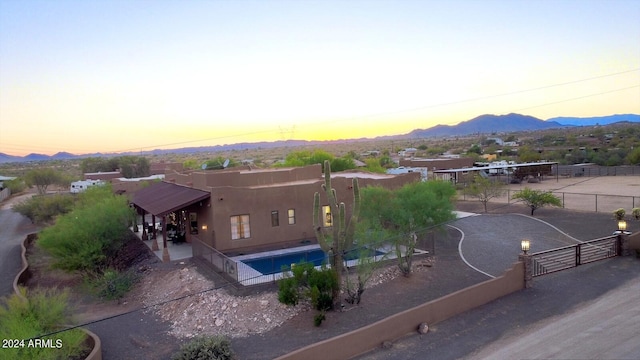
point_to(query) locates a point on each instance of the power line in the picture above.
(342, 120)
(578, 98)
(443, 104)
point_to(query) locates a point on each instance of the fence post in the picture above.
(623, 244)
(528, 269)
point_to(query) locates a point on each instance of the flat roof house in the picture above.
(244, 210)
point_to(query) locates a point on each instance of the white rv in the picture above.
(82, 185)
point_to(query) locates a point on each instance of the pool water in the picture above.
(274, 264)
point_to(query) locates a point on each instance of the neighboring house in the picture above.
(105, 176)
(408, 152)
(405, 170)
(160, 168)
(431, 165)
(242, 210)
(130, 185)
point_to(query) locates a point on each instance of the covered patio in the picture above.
(167, 217)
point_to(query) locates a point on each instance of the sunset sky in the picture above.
(126, 75)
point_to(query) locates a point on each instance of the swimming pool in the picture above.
(273, 264)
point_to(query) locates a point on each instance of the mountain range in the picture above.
(482, 124)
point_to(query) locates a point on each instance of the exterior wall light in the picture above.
(622, 228)
(524, 245)
(204, 227)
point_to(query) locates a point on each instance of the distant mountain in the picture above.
(36, 157)
(9, 158)
(599, 120)
(487, 124)
(64, 156)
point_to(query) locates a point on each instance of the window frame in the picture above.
(291, 216)
(241, 229)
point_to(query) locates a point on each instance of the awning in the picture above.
(162, 198)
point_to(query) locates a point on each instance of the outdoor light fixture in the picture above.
(622, 228)
(524, 244)
(622, 225)
(204, 227)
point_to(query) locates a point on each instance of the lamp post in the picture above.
(622, 228)
(528, 263)
(524, 245)
(622, 238)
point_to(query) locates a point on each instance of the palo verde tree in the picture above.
(43, 178)
(339, 238)
(402, 214)
(484, 190)
(536, 199)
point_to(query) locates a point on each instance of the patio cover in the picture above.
(162, 198)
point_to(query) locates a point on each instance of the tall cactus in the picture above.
(341, 238)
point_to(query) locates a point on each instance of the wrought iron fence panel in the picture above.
(549, 261)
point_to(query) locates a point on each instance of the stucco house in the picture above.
(243, 209)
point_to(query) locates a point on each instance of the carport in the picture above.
(161, 200)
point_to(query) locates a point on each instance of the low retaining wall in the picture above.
(369, 337)
(21, 280)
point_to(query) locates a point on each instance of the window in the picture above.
(240, 228)
(193, 221)
(292, 216)
(326, 216)
(275, 221)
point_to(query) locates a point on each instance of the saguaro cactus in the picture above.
(341, 237)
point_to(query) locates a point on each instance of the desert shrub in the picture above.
(319, 318)
(205, 348)
(15, 186)
(44, 311)
(322, 284)
(85, 238)
(112, 284)
(305, 281)
(288, 291)
(44, 209)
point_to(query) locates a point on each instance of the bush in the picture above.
(15, 186)
(319, 318)
(112, 284)
(84, 239)
(288, 291)
(44, 311)
(304, 280)
(205, 348)
(44, 209)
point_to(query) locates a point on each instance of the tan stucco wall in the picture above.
(394, 327)
(259, 192)
(259, 202)
(438, 164)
